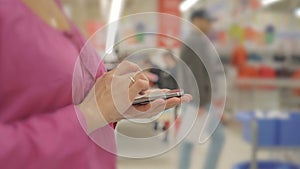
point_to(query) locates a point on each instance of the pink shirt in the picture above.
(39, 128)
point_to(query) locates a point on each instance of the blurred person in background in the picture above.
(165, 77)
(166, 80)
(203, 21)
(38, 124)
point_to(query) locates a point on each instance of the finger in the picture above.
(157, 106)
(157, 91)
(172, 102)
(142, 108)
(150, 106)
(186, 98)
(165, 90)
(157, 109)
(148, 110)
(140, 75)
(136, 76)
(137, 87)
(152, 91)
(100, 84)
(154, 111)
(151, 76)
(126, 67)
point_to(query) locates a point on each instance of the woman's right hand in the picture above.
(113, 94)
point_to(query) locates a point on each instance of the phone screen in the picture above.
(145, 99)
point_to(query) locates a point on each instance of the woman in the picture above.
(38, 123)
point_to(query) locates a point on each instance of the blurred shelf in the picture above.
(278, 148)
(288, 83)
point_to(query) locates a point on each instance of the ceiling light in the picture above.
(297, 12)
(268, 2)
(185, 5)
(114, 15)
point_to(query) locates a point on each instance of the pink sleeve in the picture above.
(41, 137)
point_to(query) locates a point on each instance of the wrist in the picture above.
(92, 113)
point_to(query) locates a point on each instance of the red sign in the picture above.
(169, 27)
(91, 28)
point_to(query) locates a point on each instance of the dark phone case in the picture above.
(167, 95)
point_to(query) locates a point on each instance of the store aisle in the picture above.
(235, 150)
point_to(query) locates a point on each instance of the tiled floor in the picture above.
(235, 150)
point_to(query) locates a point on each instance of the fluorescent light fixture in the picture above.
(297, 12)
(185, 5)
(115, 10)
(268, 2)
(114, 15)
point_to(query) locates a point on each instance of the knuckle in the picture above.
(133, 65)
(143, 76)
(126, 62)
(110, 77)
(104, 75)
(141, 83)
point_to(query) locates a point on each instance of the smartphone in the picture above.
(145, 99)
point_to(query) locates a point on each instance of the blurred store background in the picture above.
(259, 44)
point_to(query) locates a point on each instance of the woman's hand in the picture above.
(114, 93)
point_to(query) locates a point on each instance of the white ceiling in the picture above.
(284, 6)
